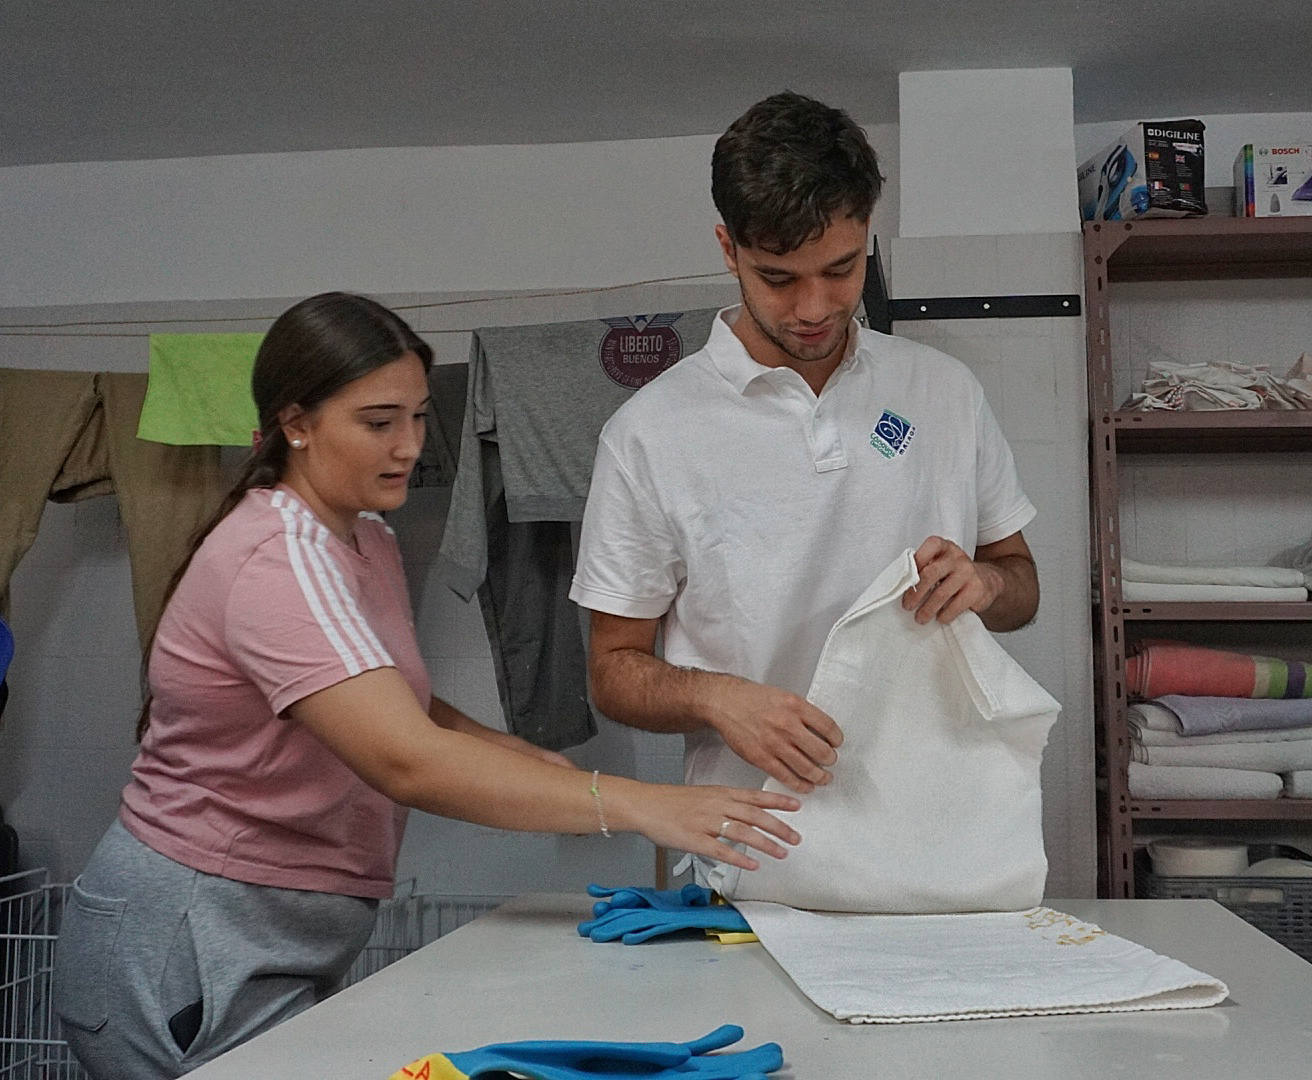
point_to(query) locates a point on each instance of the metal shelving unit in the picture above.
(1169, 250)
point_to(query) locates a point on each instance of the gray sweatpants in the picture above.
(145, 940)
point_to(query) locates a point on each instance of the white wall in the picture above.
(455, 219)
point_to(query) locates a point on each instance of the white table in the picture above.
(523, 972)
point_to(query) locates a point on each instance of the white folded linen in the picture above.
(1152, 737)
(1198, 782)
(1150, 592)
(935, 803)
(1299, 558)
(1149, 714)
(1270, 577)
(1260, 756)
(1222, 385)
(897, 969)
(1298, 784)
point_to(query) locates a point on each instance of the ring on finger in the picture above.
(724, 828)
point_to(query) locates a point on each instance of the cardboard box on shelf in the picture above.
(1154, 170)
(1273, 181)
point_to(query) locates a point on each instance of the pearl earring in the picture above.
(297, 444)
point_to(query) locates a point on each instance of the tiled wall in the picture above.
(1033, 374)
(1228, 509)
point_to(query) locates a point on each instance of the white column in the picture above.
(989, 208)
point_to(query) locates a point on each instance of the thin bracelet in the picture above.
(596, 797)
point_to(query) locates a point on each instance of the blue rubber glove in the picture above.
(574, 1060)
(638, 897)
(636, 925)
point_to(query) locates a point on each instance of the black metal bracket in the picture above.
(882, 312)
(1047, 306)
(875, 293)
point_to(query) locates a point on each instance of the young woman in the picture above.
(290, 724)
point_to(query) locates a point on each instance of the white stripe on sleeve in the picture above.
(297, 549)
(332, 594)
(348, 597)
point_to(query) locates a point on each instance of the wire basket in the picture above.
(31, 1041)
(1281, 907)
(411, 920)
(32, 1046)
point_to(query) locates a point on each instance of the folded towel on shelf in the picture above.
(1298, 784)
(1153, 592)
(1259, 756)
(1267, 577)
(1298, 558)
(1208, 386)
(1190, 782)
(1148, 715)
(1172, 667)
(898, 969)
(1150, 737)
(1207, 715)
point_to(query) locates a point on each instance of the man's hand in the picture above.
(951, 583)
(1000, 584)
(780, 733)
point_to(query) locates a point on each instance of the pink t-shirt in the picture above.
(272, 608)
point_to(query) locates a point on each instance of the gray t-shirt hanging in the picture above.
(541, 394)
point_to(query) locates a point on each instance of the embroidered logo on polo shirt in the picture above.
(892, 434)
(635, 350)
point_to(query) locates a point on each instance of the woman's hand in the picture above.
(703, 820)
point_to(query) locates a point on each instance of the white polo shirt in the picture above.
(748, 514)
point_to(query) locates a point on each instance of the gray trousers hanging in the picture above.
(533, 626)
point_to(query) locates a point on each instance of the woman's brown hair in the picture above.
(312, 350)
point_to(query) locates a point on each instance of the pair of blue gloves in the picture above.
(571, 1060)
(634, 915)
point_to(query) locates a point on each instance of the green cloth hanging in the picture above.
(199, 391)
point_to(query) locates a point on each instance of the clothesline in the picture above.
(41, 329)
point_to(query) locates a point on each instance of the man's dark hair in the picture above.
(789, 166)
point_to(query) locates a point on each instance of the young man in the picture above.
(741, 501)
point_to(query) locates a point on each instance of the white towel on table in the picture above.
(1298, 784)
(1264, 576)
(896, 969)
(1267, 756)
(1151, 592)
(1190, 782)
(935, 803)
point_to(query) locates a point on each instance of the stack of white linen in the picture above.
(1298, 557)
(1184, 747)
(1147, 582)
(1209, 387)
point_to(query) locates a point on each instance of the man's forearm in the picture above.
(643, 691)
(778, 732)
(1018, 596)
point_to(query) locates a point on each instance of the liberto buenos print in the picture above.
(635, 350)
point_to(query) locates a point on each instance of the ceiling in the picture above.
(89, 80)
